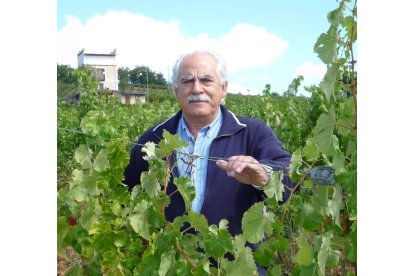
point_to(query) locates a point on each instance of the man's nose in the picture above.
(197, 87)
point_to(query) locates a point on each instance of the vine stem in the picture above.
(291, 194)
(185, 230)
(167, 174)
(199, 264)
(182, 252)
(354, 96)
(288, 202)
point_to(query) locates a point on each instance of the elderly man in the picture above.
(224, 189)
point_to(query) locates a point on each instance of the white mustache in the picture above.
(198, 98)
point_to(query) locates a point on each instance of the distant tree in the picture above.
(266, 91)
(123, 77)
(123, 73)
(64, 74)
(139, 75)
(159, 79)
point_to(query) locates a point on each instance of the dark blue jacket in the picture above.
(225, 197)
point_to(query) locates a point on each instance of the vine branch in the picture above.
(353, 61)
(167, 174)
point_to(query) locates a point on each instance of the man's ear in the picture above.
(224, 89)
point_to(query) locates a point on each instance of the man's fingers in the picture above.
(245, 169)
(226, 166)
(234, 165)
(222, 164)
(237, 164)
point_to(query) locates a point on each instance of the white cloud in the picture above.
(311, 71)
(141, 40)
(247, 46)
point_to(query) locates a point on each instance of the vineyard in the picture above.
(105, 229)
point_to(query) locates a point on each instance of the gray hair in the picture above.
(221, 66)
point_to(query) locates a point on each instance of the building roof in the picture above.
(113, 53)
(123, 92)
(129, 92)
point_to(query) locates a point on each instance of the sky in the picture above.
(263, 42)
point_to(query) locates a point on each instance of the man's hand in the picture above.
(245, 169)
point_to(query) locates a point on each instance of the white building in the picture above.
(105, 63)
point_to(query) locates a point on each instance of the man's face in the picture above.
(199, 90)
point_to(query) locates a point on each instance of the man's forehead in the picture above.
(190, 76)
(200, 69)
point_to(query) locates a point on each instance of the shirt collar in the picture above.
(208, 129)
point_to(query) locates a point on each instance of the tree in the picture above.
(123, 77)
(159, 79)
(266, 91)
(139, 75)
(64, 74)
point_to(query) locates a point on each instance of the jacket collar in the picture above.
(231, 123)
(230, 126)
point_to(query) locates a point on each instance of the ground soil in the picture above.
(66, 262)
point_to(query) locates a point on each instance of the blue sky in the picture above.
(263, 41)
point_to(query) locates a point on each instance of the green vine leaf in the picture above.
(218, 244)
(351, 27)
(169, 144)
(149, 265)
(167, 260)
(344, 126)
(310, 150)
(149, 182)
(197, 221)
(62, 231)
(304, 256)
(256, 222)
(335, 17)
(335, 204)
(296, 159)
(328, 82)
(307, 217)
(324, 251)
(90, 214)
(264, 254)
(243, 263)
(110, 263)
(325, 139)
(325, 46)
(149, 149)
(101, 163)
(275, 187)
(186, 190)
(77, 190)
(139, 219)
(83, 156)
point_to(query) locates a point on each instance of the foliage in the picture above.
(117, 231)
(141, 75)
(64, 74)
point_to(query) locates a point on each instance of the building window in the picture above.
(100, 74)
